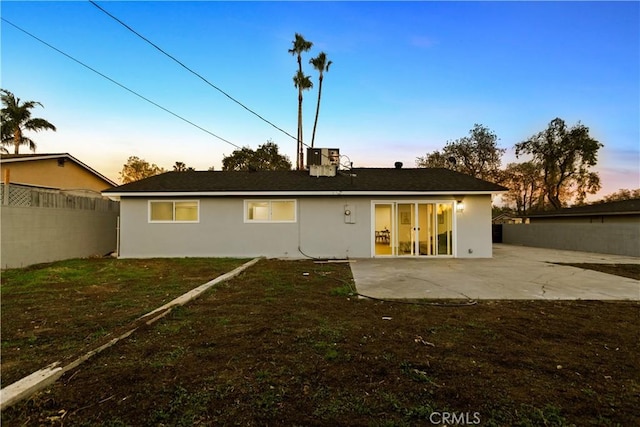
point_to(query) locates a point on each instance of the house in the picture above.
(320, 213)
(619, 211)
(506, 218)
(53, 171)
(611, 228)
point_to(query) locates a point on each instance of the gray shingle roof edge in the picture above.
(355, 181)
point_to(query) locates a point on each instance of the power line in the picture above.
(190, 70)
(119, 84)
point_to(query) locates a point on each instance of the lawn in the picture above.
(285, 343)
(50, 312)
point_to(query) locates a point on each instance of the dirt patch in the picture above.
(632, 271)
(285, 344)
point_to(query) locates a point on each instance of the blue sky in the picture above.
(406, 77)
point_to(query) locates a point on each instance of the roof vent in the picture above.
(398, 165)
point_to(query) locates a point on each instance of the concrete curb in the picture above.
(46, 376)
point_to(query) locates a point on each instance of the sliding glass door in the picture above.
(413, 229)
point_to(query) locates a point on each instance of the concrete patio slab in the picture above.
(514, 272)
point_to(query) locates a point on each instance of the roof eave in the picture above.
(292, 193)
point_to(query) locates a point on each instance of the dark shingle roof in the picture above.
(619, 207)
(358, 180)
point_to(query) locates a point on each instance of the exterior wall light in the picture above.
(459, 206)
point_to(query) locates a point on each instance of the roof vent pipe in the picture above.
(398, 165)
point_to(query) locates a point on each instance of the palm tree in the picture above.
(321, 65)
(16, 118)
(300, 45)
(301, 82)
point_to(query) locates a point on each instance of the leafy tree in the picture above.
(301, 82)
(524, 181)
(16, 118)
(266, 157)
(477, 155)
(320, 64)
(622, 194)
(565, 156)
(181, 167)
(136, 169)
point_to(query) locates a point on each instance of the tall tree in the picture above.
(302, 82)
(300, 45)
(266, 157)
(477, 155)
(524, 181)
(16, 118)
(320, 64)
(136, 169)
(565, 156)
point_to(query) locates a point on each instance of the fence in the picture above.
(44, 225)
(607, 238)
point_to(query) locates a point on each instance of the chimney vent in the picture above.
(398, 165)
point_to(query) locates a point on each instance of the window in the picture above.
(174, 211)
(270, 210)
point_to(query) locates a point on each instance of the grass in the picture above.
(50, 312)
(276, 346)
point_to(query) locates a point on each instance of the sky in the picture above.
(406, 77)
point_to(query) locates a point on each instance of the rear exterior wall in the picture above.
(321, 231)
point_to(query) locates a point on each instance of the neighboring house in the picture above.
(506, 218)
(54, 171)
(322, 213)
(611, 227)
(621, 211)
(53, 209)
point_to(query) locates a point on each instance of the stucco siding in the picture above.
(473, 238)
(327, 232)
(221, 231)
(322, 230)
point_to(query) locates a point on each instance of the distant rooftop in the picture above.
(620, 207)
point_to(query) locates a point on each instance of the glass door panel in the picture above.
(406, 228)
(445, 228)
(425, 229)
(384, 229)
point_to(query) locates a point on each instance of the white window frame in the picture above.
(197, 202)
(269, 221)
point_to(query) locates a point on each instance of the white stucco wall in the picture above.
(322, 230)
(474, 228)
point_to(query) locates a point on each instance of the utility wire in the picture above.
(191, 71)
(119, 84)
